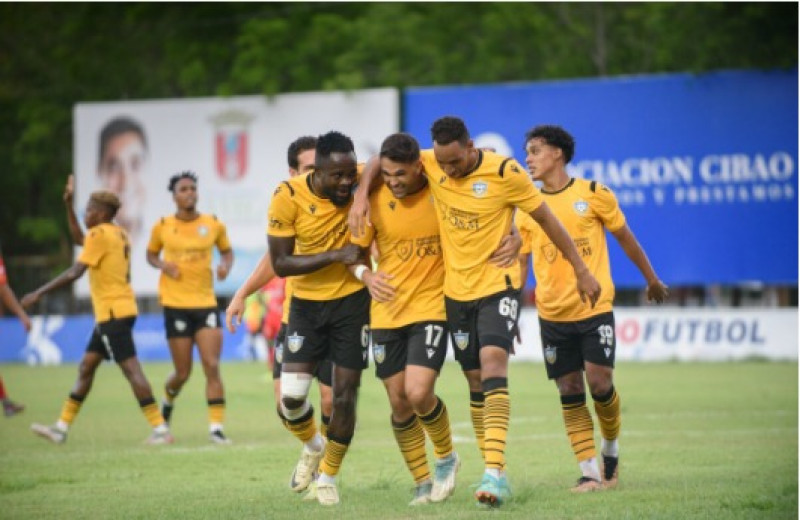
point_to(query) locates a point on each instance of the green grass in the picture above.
(698, 441)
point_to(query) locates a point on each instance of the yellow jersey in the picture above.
(586, 209)
(475, 212)
(317, 225)
(190, 245)
(407, 234)
(106, 252)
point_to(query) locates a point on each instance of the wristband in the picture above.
(359, 272)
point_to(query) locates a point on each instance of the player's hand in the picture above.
(588, 287)
(349, 254)
(234, 312)
(657, 291)
(222, 271)
(358, 218)
(69, 190)
(507, 253)
(379, 287)
(29, 300)
(171, 269)
(26, 322)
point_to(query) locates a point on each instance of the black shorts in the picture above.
(324, 371)
(331, 329)
(491, 320)
(113, 339)
(423, 344)
(566, 345)
(183, 323)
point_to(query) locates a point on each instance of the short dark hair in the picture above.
(447, 129)
(333, 142)
(178, 177)
(400, 147)
(298, 146)
(554, 136)
(118, 126)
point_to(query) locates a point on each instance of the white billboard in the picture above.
(237, 146)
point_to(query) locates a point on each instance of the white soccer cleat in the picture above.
(159, 438)
(444, 477)
(304, 471)
(311, 492)
(327, 494)
(422, 494)
(51, 433)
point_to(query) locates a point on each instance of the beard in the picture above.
(338, 199)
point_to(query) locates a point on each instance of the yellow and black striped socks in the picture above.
(335, 450)
(476, 406)
(69, 410)
(607, 408)
(303, 428)
(496, 416)
(437, 426)
(411, 440)
(151, 411)
(579, 426)
(216, 413)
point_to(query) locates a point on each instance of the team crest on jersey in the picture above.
(480, 188)
(404, 249)
(294, 342)
(461, 339)
(180, 325)
(550, 253)
(379, 352)
(211, 320)
(550, 354)
(202, 230)
(581, 206)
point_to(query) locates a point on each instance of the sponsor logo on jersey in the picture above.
(392, 205)
(312, 208)
(431, 352)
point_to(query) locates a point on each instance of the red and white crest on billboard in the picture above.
(231, 143)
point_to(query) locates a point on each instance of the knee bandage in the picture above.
(295, 385)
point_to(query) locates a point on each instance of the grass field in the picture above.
(698, 441)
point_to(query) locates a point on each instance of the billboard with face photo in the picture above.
(237, 146)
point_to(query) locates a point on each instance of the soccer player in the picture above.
(9, 300)
(328, 318)
(186, 291)
(577, 338)
(106, 254)
(301, 155)
(476, 192)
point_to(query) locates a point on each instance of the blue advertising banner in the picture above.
(57, 339)
(704, 166)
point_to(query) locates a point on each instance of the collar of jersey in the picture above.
(570, 183)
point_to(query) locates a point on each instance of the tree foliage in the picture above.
(55, 55)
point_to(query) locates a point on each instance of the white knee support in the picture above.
(295, 386)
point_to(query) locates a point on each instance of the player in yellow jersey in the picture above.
(186, 292)
(301, 155)
(577, 338)
(106, 255)
(476, 192)
(329, 313)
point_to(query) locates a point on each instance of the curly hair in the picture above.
(173, 181)
(107, 199)
(554, 136)
(333, 142)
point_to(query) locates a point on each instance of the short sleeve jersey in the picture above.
(475, 212)
(407, 235)
(586, 209)
(190, 245)
(317, 225)
(106, 252)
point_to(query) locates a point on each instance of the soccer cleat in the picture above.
(157, 438)
(51, 433)
(303, 473)
(444, 477)
(311, 491)
(218, 437)
(327, 494)
(166, 411)
(610, 471)
(10, 408)
(493, 491)
(586, 485)
(422, 493)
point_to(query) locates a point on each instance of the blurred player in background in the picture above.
(576, 337)
(476, 192)
(301, 155)
(329, 313)
(9, 301)
(106, 254)
(186, 291)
